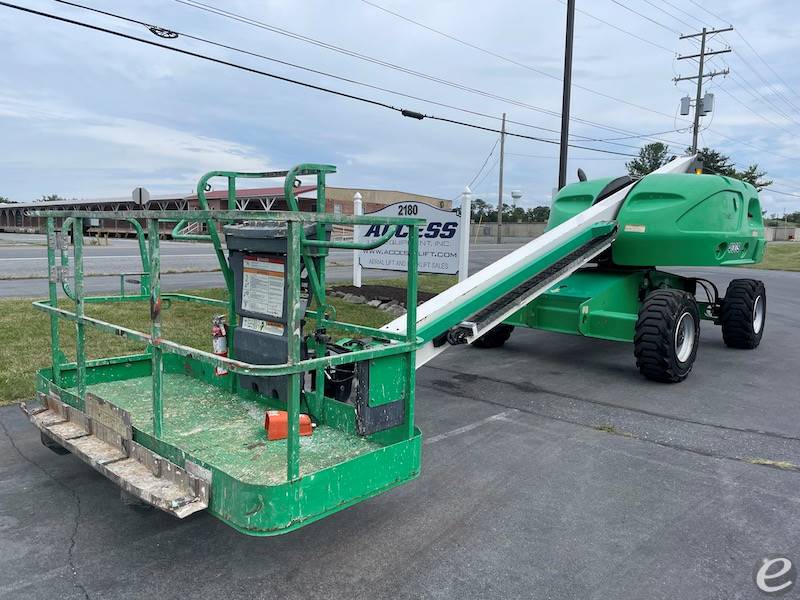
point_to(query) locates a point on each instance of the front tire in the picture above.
(743, 313)
(495, 337)
(667, 335)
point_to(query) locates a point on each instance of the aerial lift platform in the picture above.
(284, 423)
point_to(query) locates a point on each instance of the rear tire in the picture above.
(53, 445)
(743, 313)
(495, 337)
(667, 335)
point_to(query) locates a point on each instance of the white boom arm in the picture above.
(464, 291)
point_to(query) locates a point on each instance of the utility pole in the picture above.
(701, 60)
(500, 183)
(565, 95)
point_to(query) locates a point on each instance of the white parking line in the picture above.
(458, 431)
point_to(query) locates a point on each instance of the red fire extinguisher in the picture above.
(219, 341)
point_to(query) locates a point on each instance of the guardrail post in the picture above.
(294, 336)
(157, 363)
(463, 250)
(54, 241)
(357, 211)
(80, 328)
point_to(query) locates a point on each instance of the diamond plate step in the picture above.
(103, 437)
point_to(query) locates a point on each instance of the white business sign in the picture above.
(438, 239)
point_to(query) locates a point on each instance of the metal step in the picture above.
(102, 436)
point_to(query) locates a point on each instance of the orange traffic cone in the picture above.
(277, 424)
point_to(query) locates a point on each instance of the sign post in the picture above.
(463, 246)
(357, 211)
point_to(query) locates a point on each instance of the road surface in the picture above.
(551, 469)
(23, 264)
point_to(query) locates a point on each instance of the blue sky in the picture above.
(87, 115)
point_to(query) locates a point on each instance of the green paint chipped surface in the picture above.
(225, 430)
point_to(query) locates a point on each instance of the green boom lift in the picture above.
(185, 430)
(676, 219)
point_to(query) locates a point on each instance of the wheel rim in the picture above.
(758, 315)
(685, 334)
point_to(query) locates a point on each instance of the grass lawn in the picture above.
(25, 331)
(780, 256)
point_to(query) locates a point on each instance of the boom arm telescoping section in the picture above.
(483, 300)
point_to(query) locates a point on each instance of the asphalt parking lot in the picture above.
(551, 469)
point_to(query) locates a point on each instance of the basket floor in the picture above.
(225, 430)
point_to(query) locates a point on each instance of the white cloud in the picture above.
(85, 114)
(141, 151)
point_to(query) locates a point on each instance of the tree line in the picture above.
(483, 212)
(44, 198)
(655, 155)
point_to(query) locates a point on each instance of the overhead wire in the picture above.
(669, 14)
(404, 112)
(463, 87)
(483, 166)
(485, 175)
(620, 29)
(718, 133)
(350, 80)
(749, 45)
(551, 157)
(505, 58)
(636, 12)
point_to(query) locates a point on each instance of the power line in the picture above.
(782, 193)
(769, 87)
(287, 63)
(549, 157)
(353, 54)
(505, 58)
(720, 19)
(752, 145)
(326, 74)
(703, 8)
(669, 14)
(620, 29)
(754, 51)
(636, 12)
(759, 115)
(404, 112)
(722, 135)
(682, 10)
(762, 116)
(774, 72)
(488, 156)
(727, 137)
(489, 172)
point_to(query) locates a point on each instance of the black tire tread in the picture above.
(653, 345)
(736, 313)
(495, 337)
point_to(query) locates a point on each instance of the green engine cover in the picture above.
(677, 219)
(575, 198)
(693, 220)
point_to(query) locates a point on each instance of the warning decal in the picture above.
(262, 285)
(270, 327)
